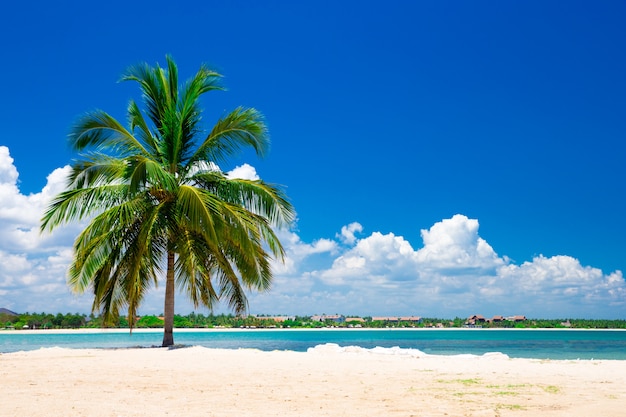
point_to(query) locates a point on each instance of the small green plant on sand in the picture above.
(471, 381)
(512, 393)
(551, 389)
(509, 407)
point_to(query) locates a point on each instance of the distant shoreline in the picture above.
(231, 329)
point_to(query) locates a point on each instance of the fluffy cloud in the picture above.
(245, 171)
(20, 214)
(562, 283)
(347, 233)
(8, 172)
(32, 265)
(454, 272)
(453, 244)
(379, 259)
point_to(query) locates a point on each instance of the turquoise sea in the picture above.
(541, 344)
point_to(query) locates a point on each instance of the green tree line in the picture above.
(196, 320)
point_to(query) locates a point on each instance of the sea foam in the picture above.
(394, 351)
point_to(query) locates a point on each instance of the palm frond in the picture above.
(194, 266)
(77, 204)
(145, 135)
(239, 129)
(172, 80)
(96, 169)
(152, 93)
(99, 131)
(189, 110)
(231, 291)
(268, 200)
(198, 210)
(119, 254)
(145, 173)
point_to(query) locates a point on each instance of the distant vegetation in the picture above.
(193, 320)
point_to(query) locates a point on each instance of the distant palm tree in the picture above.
(159, 202)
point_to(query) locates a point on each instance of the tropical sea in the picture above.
(516, 343)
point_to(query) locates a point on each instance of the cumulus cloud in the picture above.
(454, 272)
(347, 234)
(561, 281)
(298, 252)
(244, 172)
(378, 259)
(8, 172)
(32, 265)
(20, 214)
(453, 244)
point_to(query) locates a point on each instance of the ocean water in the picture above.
(539, 344)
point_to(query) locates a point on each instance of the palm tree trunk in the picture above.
(168, 325)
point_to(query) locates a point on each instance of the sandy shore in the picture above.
(198, 381)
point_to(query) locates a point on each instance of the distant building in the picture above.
(381, 318)
(357, 319)
(476, 319)
(278, 319)
(410, 319)
(333, 317)
(395, 319)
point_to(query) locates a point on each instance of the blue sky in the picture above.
(471, 152)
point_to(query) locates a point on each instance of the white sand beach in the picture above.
(198, 381)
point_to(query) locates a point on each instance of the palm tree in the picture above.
(157, 201)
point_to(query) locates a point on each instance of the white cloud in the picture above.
(379, 258)
(454, 272)
(245, 172)
(32, 265)
(8, 172)
(20, 214)
(454, 244)
(563, 282)
(12, 263)
(347, 233)
(296, 251)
